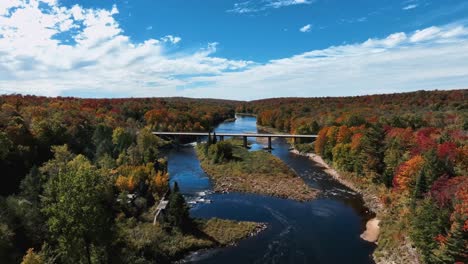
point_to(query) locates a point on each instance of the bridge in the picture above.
(221, 135)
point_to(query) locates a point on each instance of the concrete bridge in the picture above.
(221, 135)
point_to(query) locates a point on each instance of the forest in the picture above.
(409, 149)
(81, 178)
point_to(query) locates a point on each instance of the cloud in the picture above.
(392, 64)
(149, 27)
(81, 51)
(57, 50)
(252, 6)
(305, 28)
(171, 39)
(411, 6)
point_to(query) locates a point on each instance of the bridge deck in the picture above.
(232, 134)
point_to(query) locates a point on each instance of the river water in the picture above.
(325, 230)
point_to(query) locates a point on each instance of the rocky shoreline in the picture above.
(371, 234)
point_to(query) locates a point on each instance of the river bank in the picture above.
(255, 172)
(371, 234)
(404, 252)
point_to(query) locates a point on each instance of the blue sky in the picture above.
(231, 49)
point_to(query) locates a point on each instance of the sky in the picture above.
(231, 49)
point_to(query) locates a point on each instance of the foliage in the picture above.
(254, 172)
(220, 152)
(32, 258)
(413, 145)
(78, 219)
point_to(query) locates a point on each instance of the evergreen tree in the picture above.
(454, 249)
(428, 222)
(372, 150)
(178, 214)
(419, 189)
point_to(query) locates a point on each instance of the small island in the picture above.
(168, 246)
(233, 168)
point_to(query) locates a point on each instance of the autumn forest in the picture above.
(81, 178)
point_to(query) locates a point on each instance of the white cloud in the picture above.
(282, 3)
(149, 27)
(98, 56)
(252, 6)
(305, 28)
(101, 60)
(390, 41)
(171, 39)
(411, 6)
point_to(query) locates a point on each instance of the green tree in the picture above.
(454, 249)
(102, 139)
(372, 150)
(420, 188)
(79, 220)
(5, 145)
(342, 157)
(121, 139)
(178, 214)
(393, 156)
(148, 145)
(428, 222)
(220, 152)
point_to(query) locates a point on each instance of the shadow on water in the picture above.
(325, 230)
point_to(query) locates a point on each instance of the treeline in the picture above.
(30, 125)
(411, 147)
(81, 179)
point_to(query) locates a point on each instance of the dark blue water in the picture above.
(325, 230)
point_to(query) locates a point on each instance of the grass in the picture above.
(227, 232)
(168, 246)
(255, 172)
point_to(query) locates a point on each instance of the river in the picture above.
(325, 230)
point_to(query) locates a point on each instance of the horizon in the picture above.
(232, 100)
(235, 50)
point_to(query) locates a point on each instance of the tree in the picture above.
(178, 212)
(220, 152)
(393, 155)
(428, 222)
(420, 188)
(79, 220)
(148, 145)
(454, 248)
(342, 157)
(407, 173)
(102, 139)
(5, 145)
(121, 139)
(372, 150)
(32, 258)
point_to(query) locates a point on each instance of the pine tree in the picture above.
(419, 189)
(454, 250)
(428, 222)
(372, 150)
(178, 214)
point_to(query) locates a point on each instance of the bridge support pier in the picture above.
(269, 143)
(221, 138)
(245, 141)
(294, 140)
